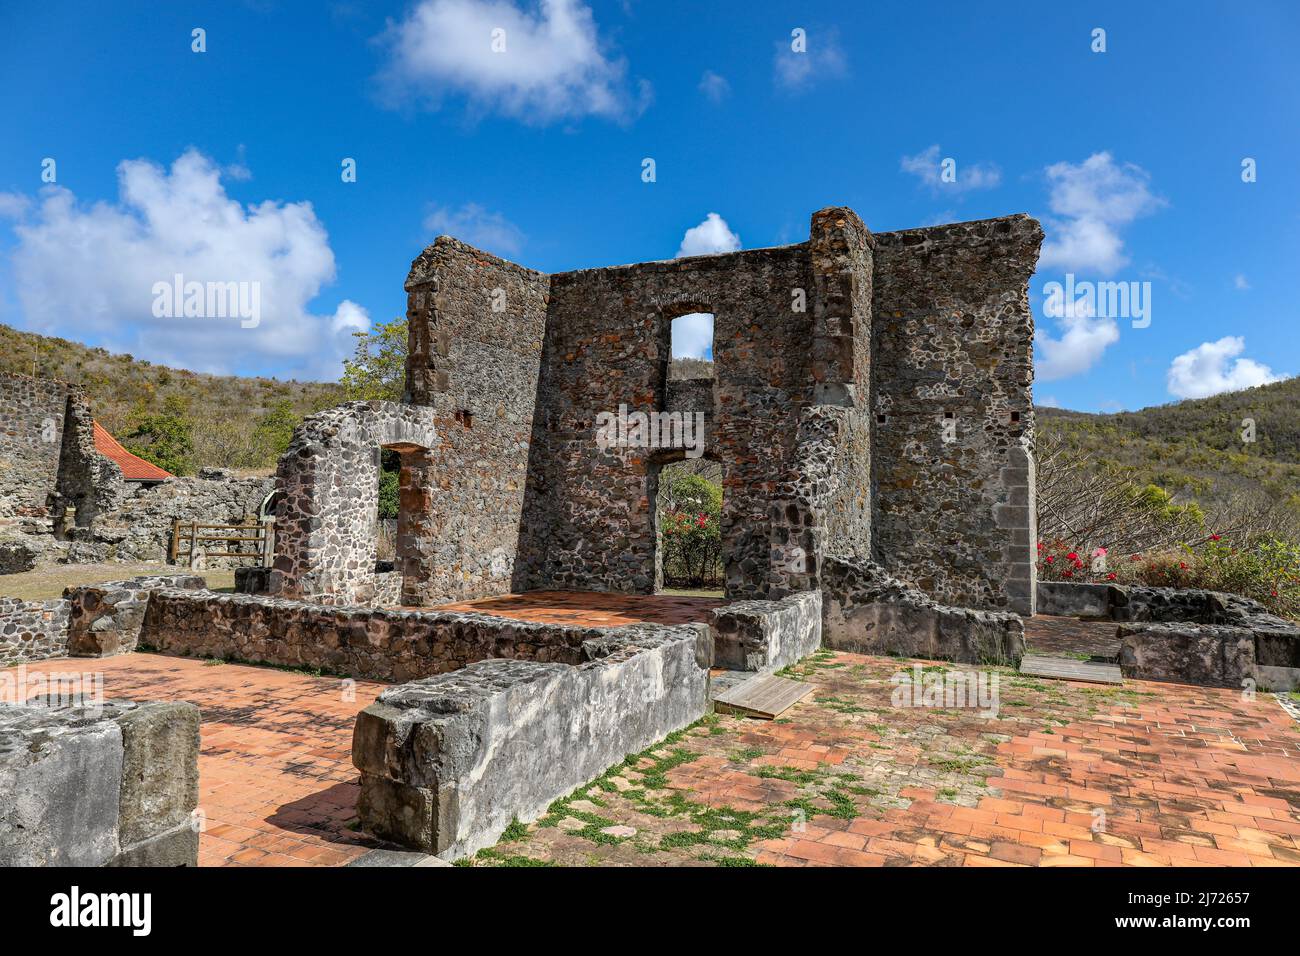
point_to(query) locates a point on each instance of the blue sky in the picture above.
(225, 164)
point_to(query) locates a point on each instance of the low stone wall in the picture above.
(32, 630)
(767, 635)
(105, 619)
(113, 784)
(366, 642)
(866, 611)
(1076, 599)
(1212, 655)
(447, 762)
(1187, 635)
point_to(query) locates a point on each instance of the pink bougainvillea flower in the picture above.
(1214, 537)
(1049, 559)
(1111, 576)
(1072, 556)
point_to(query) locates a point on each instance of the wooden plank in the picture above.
(1067, 668)
(766, 696)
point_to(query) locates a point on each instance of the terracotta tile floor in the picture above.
(593, 609)
(276, 781)
(1063, 775)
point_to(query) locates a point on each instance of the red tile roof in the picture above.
(134, 468)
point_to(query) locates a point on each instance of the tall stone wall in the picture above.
(952, 399)
(476, 325)
(31, 436)
(607, 344)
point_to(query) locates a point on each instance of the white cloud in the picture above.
(1047, 401)
(822, 58)
(87, 272)
(552, 66)
(1093, 201)
(1240, 283)
(714, 87)
(711, 236)
(13, 205)
(927, 167)
(693, 335)
(471, 223)
(1083, 340)
(1207, 370)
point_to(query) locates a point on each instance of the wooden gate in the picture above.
(251, 540)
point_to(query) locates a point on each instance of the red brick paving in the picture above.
(1064, 775)
(276, 781)
(593, 609)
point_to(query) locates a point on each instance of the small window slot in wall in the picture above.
(465, 417)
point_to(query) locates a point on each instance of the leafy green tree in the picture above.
(164, 438)
(390, 467)
(275, 429)
(377, 369)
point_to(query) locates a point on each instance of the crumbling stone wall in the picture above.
(475, 349)
(607, 344)
(31, 436)
(139, 526)
(327, 517)
(365, 642)
(111, 783)
(952, 398)
(32, 630)
(88, 483)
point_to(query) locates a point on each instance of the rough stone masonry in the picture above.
(871, 401)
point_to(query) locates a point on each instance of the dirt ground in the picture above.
(48, 581)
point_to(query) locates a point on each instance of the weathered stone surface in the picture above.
(105, 619)
(867, 611)
(98, 783)
(367, 642)
(160, 771)
(326, 529)
(448, 761)
(767, 635)
(1214, 655)
(32, 630)
(954, 420)
(18, 555)
(1071, 599)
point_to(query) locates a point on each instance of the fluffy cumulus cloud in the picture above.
(98, 271)
(800, 61)
(927, 166)
(711, 236)
(1214, 367)
(539, 64)
(1092, 202)
(479, 227)
(692, 335)
(1084, 337)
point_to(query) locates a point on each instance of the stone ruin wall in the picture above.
(607, 345)
(326, 528)
(827, 422)
(32, 412)
(475, 351)
(954, 337)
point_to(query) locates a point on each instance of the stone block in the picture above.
(447, 762)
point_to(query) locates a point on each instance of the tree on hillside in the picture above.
(164, 438)
(377, 370)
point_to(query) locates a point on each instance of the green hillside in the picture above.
(232, 421)
(1194, 449)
